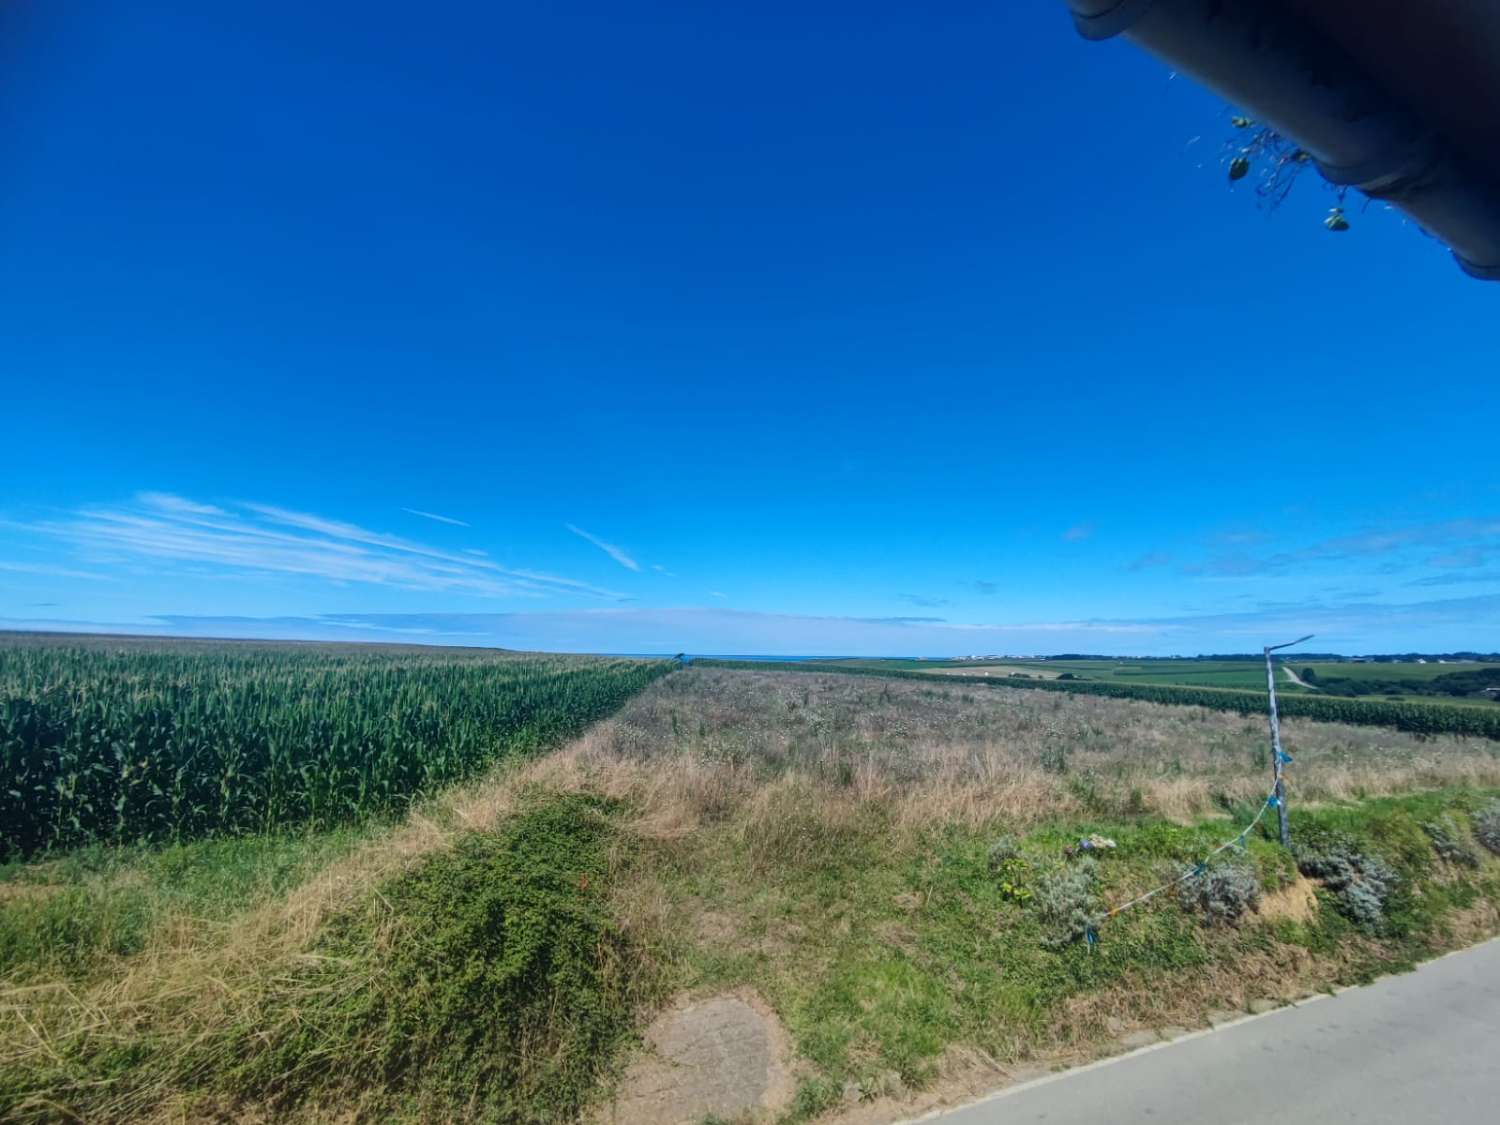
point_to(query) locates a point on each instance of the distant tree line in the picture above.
(1465, 683)
(1319, 657)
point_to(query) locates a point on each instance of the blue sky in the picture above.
(739, 328)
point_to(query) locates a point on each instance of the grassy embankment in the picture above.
(829, 841)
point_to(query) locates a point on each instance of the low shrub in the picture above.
(1066, 903)
(1004, 849)
(1220, 896)
(1487, 827)
(1448, 842)
(1360, 881)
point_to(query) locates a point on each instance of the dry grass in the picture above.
(1295, 902)
(708, 745)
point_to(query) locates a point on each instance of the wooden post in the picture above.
(1277, 756)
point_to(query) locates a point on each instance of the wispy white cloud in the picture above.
(1352, 626)
(1240, 537)
(923, 600)
(695, 629)
(434, 516)
(1457, 578)
(51, 571)
(255, 538)
(1078, 533)
(1149, 560)
(1465, 558)
(717, 594)
(169, 502)
(609, 549)
(1461, 543)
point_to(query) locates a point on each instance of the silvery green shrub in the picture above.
(1066, 904)
(1221, 895)
(1448, 842)
(1003, 849)
(1487, 827)
(1361, 881)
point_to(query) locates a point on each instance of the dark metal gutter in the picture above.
(1279, 68)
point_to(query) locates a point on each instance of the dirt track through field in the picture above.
(1296, 679)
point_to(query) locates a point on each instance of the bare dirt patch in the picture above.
(1295, 902)
(722, 1056)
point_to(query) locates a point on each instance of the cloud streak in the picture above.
(1461, 543)
(1457, 579)
(922, 601)
(609, 549)
(1352, 627)
(255, 538)
(51, 571)
(1149, 561)
(435, 517)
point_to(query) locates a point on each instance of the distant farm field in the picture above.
(1394, 670)
(1243, 675)
(124, 741)
(1423, 703)
(1240, 674)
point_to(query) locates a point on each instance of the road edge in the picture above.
(1248, 1017)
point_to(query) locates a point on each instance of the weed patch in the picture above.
(493, 983)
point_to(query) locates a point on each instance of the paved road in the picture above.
(1411, 1049)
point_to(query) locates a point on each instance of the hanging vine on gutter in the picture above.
(1280, 162)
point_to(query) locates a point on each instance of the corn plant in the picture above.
(116, 741)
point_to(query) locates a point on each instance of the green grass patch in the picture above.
(885, 961)
(70, 915)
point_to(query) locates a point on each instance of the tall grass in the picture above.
(713, 744)
(126, 742)
(1419, 718)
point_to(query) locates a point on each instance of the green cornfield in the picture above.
(116, 741)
